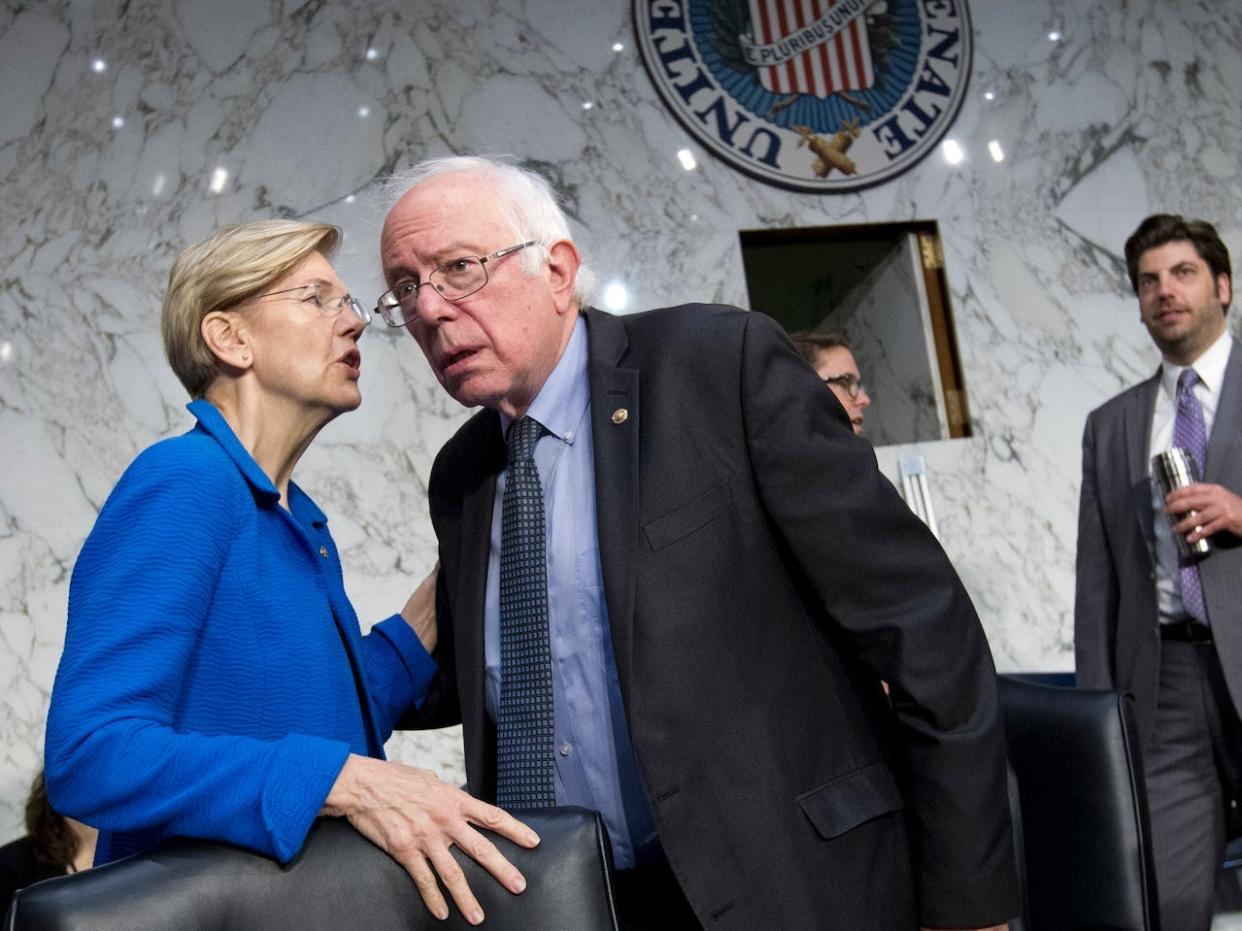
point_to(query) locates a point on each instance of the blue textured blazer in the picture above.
(214, 678)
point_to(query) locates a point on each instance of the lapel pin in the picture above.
(620, 415)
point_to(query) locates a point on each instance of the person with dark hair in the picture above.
(1162, 228)
(53, 846)
(1163, 625)
(829, 354)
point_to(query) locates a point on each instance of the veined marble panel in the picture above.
(131, 128)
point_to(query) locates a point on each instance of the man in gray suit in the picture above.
(1169, 631)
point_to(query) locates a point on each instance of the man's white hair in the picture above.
(526, 201)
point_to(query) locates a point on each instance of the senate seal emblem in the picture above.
(815, 95)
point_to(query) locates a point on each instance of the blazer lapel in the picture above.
(1221, 465)
(615, 431)
(1136, 422)
(476, 532)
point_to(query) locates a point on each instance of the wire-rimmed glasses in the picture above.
(326, 306)
(453, 280)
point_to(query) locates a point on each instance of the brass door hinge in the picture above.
(955, 405)
(931, 252)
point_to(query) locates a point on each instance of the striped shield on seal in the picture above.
(815, 47)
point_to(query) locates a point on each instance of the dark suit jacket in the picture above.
(1116, 634)
(761, 578)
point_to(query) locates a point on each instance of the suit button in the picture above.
(323, 551)
(565, 748)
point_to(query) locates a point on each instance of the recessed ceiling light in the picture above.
(616, 296)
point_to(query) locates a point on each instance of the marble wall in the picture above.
(130, 127)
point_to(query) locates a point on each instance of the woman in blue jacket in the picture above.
(214, 681)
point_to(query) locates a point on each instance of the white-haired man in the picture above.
(652, 603)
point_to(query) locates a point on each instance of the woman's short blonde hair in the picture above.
(236, 264)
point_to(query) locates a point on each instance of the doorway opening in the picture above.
(883, 287)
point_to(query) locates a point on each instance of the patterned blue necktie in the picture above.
(1191, 435)
(525, 729)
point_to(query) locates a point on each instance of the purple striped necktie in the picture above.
(1190, 434)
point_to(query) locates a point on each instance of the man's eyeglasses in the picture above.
(453, 280)
(850, 383)
(313, 294)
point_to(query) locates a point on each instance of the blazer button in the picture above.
(323, 551)
(620, 415)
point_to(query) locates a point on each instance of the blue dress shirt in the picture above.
(595, 764)
(214, 678)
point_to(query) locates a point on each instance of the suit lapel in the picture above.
(476, 533)
(1221, 464)
(1136, 423)
(614, 389)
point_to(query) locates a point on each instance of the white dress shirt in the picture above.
(1210, 367)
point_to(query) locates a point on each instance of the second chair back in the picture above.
(1086, 840)
(339, 880)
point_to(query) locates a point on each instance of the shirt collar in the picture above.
(212, 422)
(1210, 367)
(565, 395)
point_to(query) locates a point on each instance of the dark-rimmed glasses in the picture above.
(850, 383)
(453, 280)
(327, 306)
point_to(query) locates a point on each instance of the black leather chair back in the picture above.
(339, 880)
(1085, 834)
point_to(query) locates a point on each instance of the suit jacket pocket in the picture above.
(688, 518)
(846, 802)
